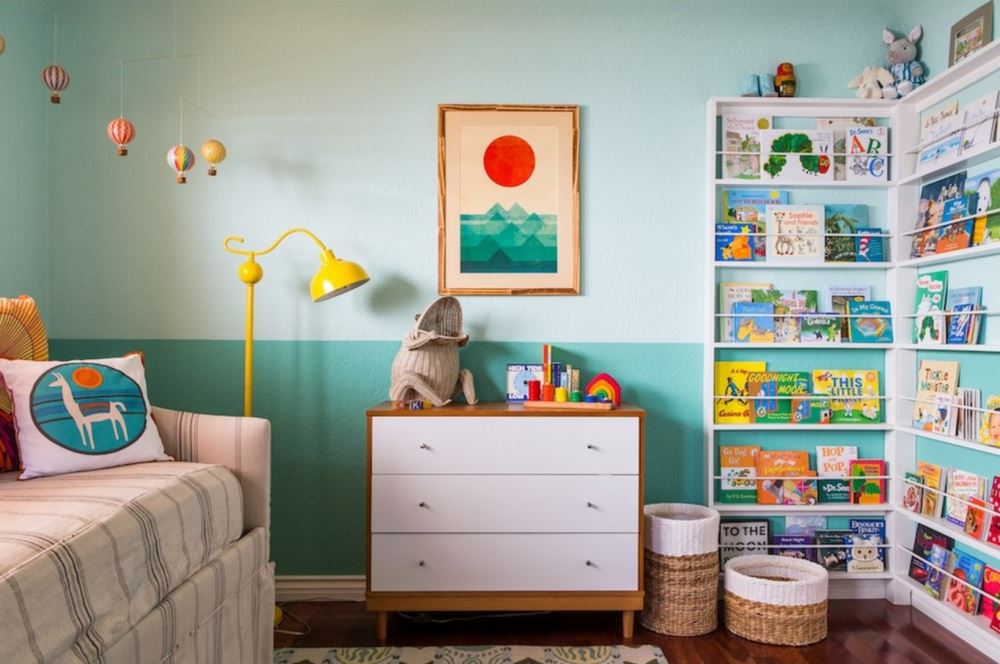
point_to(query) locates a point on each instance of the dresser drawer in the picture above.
(458, 563)
(505, 504)
(505, 445)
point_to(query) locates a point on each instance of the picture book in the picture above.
(934, 377)
(985, 183)
(957, 234)
(961, 486)
(823, 328)
(794, 233)
(870, 322)
(839, 128)
(750, 206)
(731, 403)
(734, 242)
(870, 245)
(866, 553)
(965, 569)
(832, 551)
(841, 223)
(936, 563)
(866, 154)
(867, 481)
(989, 431)
(854, 394)
(741, 138)
(834, 489)
(518, 376)
(736, 465)
(940, 135)
(931, 121)
(962, 325)
(990, 603)
(796, 155)
(913, 492)
(773, 465)
(794, 546)
(790, 301)
(976, 519)
(796, 524)
(753, 322)
(840, 296)
(731, 292)
(739, 538)
(979, 121)
(932, 475)
(930, 212)
(944, 414)
(924, 539)
(770, 391)
(993, 530)
(835, 460)
(968, 417)
(929, 324)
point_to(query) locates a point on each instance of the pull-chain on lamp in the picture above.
(334, 277)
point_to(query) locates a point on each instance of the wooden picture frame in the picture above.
(971, 33)
(508, 199)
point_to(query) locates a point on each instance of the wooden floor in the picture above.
(860, 632)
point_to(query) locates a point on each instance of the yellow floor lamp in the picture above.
(334, 277)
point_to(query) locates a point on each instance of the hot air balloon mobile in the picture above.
(56, 79)
(181, 159)
(214, 152)
(121, 132)
(3, 45)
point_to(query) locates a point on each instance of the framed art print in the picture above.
(971, 33)
(508, 200)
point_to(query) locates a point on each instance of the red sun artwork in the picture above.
(509, 161)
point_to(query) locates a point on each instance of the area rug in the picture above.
(474, 655)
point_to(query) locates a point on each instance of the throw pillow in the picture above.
(22, 337)
(81, 415)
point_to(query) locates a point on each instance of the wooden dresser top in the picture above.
(499, 409)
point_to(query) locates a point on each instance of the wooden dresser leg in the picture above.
(381, 626)
(628, 623)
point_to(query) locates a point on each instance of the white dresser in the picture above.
(494, 508)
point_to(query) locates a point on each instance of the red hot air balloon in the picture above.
(55, 79)
(121, 132)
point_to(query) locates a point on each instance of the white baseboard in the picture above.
(857, 588)
(343, 588)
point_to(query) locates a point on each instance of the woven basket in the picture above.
(776, 599)
(681, 569)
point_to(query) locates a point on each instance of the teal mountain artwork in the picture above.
(509, 241)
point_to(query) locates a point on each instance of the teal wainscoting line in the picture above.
(315, 394)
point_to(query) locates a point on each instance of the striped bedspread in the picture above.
(85, 556)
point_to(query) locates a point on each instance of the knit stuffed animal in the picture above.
(871, 81)
(907, 72)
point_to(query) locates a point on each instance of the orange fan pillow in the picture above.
(22, 337)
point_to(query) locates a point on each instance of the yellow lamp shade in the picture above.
(335, 277)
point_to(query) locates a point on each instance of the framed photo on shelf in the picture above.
(508, 200)
(971, 33)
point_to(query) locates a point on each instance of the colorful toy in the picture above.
(751, 86)
(870, 82)
(55, 79)
(561, 394)
(908, 73)
(784, 80)
(605, 388)
(548, 392)
(213, 152)
(534, 390)
(576, 396)
(181, 159)
(121, 132)
(767, 88)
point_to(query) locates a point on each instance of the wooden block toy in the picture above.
(605, 388)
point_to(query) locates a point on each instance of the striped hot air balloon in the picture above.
(214, 152)
(181, 159)
(121, 132)
(55, 79)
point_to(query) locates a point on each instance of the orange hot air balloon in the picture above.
(213, 152)
(121, 132)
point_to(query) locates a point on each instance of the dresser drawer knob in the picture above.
(590, 563)
(591, 505)
(424, 505)
(422, 564)
(591, 446)
(425, 446)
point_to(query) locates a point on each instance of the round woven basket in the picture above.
(776, 599)
(681, 569)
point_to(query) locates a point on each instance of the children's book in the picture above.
(865, 553)
(854, 394)
(834, 489)
(936, 563)
(913, 492)
(840, 297)
(866, 149)
(787, 328)
(929, 303)
(796, 155)
(957, 235)
(736, 465)
(731, 403)
(934, 377)
(773, 465)
(739, 538)
(869, 245)
(969, 419)
(841, 223)
(867, 483)
(985, 183)
(741, 138)
(839, 128)
(993, 531)
(753, 322)
(989, 430)
(731, 292)
(832, 552)
(932, 122)
(976, 519)
(770, 389)
(940, 135)
(962, 485)
(870, 322)
(796, 524)
(979, 123)
(734, 242)
(518, 376)
(930, 212)
(835, 460)
(750, 206)
(924, 539)
(965, 569)
(991, 601)
(823, 328)
(794, 233)
(794, 546)
(961, 325)
(932, 475)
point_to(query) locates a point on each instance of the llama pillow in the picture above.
(81, 415)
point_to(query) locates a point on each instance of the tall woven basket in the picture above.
(682, 569)
(776, 599)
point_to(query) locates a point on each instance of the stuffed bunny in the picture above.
(871, 82)
(907, 72)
